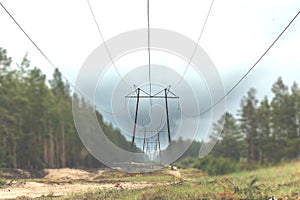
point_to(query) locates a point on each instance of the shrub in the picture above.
(217, 165)
(184, 163)
(2, 182)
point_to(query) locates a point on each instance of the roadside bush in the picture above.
(184, 163)
(212, 165)
(217, 165)
(2, 182)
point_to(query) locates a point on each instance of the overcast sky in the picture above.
(236, 34)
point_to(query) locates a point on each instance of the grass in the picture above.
(157, 176)
(2, 181)
(282, 182)
(165, 192)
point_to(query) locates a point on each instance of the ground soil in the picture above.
(58, 182)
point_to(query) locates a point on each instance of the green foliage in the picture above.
(249, 125)
(230, 140)
(185, 163)
(279, 182)
(2, 182)
(213, 165)
(5, 61)
(175, 191)
(253, 190)
(37, 128)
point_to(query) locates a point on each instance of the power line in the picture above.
(208, 109)
(247, 73)
(149, 58)
(40, 50)
(196, 46)
(49, 61)
(104, 42)
(15, 21)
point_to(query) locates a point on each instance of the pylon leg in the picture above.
(136, 116)
(168, 123)
(144, 140)
(159, 146)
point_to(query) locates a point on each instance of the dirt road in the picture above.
(58, 182)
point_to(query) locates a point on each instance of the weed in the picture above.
(2, 182)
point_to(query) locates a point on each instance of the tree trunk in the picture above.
(45, 152)
(51, 151)
(14, 152)
(63, 152)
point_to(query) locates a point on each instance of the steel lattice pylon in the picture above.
(159, 95)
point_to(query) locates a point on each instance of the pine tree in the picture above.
(63, 109)
(279, 118)
(265, 139)
(230, 141)
(10, 118)
(249, 126)
(292, 115)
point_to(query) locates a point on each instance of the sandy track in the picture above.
(33, 189)
(58, 182)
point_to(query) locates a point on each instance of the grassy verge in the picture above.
(2, 181)
(282, 182)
